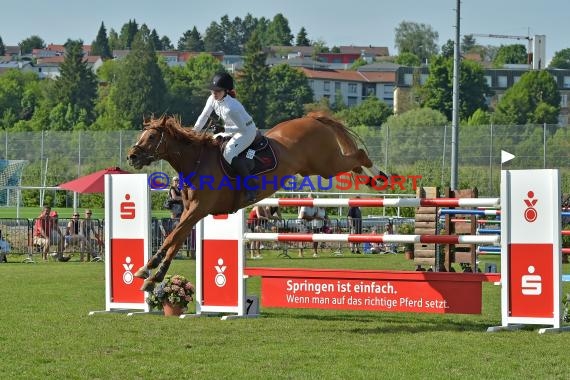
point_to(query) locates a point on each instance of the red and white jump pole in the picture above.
(375, 202)
(364, 238)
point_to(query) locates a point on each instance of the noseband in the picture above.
(155, 155)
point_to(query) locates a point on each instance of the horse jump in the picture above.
(523, 300)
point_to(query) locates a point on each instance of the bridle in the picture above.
(155, 155)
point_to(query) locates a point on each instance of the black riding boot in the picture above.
(243, 167)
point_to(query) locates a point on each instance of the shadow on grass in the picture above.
(395, 322)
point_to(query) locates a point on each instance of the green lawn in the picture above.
(47, 334)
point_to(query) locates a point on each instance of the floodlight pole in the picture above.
(455, 112)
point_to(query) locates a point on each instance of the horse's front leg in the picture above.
(153, 262)
(169, 249)
(164, 265)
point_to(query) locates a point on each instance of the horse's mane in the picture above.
(172, 126)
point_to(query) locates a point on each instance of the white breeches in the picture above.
(238, 143)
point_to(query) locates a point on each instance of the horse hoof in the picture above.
(148, 286)
(142, 273)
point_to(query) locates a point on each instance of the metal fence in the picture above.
(55, 156)
(16, 235)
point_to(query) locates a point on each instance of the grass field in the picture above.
(46, 333)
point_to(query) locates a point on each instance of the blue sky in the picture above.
(362, 22)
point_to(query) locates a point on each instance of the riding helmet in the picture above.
(222, 81)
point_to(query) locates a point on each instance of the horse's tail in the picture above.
(347, 139)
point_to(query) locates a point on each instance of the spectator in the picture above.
(175, 196)
(256, 222)
(274, 214)
(389, 230)
(43, 230)
(169, 224)
(73, 234)
(314, 218)
(91, 244)
(374, 247)
(56, 237)
(355, 223)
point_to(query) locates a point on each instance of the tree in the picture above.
(288, 92)
(191, 40)
(214, 38)
(101, 44)
(358, 63)
(510, 54)
(155, 40)
(233, 35)
(533, 99)
(319, 46)
(302, 39)
(30, 43)
(140, 89)
(248, 25)
(19, 95)
(109, 71)
(166, 43)
(76, 86)
(479, 117)
(448, 49)
(279, 32)
(252, 84)
(438, 90)
(408, 59)
(2, 47)
(188, 86)
(467, 43)
(127, 35)
(419, 39)
(418, 131)
(114, 43)
(262, 30)
(561, 60)
(372, 112)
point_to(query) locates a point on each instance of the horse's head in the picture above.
(149, 147)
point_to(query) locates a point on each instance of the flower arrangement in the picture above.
(175, 290)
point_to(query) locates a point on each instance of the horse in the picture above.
(311, 145)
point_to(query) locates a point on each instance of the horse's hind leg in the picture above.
(354, 161)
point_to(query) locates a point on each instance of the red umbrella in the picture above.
(91, 183)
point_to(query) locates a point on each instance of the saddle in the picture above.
(260, 151)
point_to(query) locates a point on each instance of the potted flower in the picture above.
(172, 295)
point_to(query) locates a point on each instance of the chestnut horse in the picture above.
(311, 145)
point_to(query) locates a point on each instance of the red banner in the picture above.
(461, 297)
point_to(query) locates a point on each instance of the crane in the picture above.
(528, 38)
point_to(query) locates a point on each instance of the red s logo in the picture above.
(128, 208)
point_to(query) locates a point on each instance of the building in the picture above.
(352, 86)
